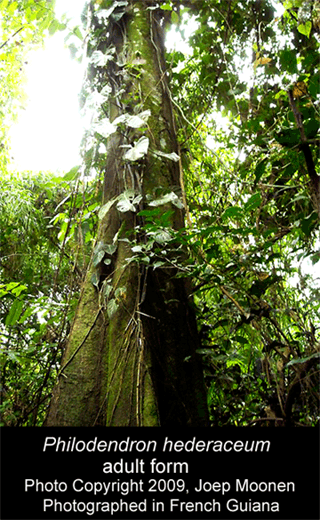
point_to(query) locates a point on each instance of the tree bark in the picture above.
(131, 356)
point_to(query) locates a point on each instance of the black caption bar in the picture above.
(142, 473)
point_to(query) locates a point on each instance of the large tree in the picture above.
(131, 355)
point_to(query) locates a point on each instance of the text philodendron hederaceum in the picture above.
(128, 445)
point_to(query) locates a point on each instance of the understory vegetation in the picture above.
(245, 90)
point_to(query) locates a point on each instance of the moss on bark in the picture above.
(130, 359)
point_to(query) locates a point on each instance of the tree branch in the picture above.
(305, 147)
(12, 36)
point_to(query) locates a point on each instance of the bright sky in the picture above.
(48, 133)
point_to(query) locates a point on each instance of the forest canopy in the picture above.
(245, 92)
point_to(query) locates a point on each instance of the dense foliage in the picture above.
(246, 97)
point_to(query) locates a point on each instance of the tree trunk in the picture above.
(131, 356)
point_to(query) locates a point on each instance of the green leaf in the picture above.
(3, 290)
(72, 174)
(120, 292)
(288, 137)
(3, 5)
(158, 264)
(97, 258)
(281, 93)
(253, 202)
(305, 28)
(127, 201)
(120, 3)
(14, 287)
(99, 246)
(162, 236)
(308, 223)
(95, 279)
(105, 208)
(311, 128)
(288, 60)
(150, 213)
(221, 323)
(304, 359)
(104, 127)
(232, 361)
(45, 22)
(26, 314)
(315, 258)
(106, 289)
(168, 197)
(135, 121)
(138, 151)
(166, 7)
(14, 313)
(234, 211)
(112, 307)
(105, 13)
(175, 18)
(260, 169)
(18, 290)
(12, 7)
(172, 156)
(13, 356)
(100, 59)
(110, 249)
(137, 249)
(77, 32)
(53, 27)
(240, 339)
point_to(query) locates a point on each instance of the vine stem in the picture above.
(315, 179)
(81, 344)
(12, 36)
